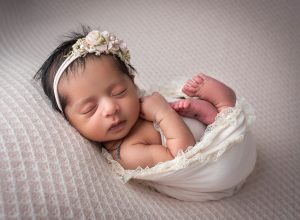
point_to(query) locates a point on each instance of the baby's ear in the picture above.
(65, 116)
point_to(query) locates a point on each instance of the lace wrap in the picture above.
(208, 149)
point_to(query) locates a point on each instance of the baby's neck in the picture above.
(111, 145)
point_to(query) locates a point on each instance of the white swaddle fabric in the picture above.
(214, 168)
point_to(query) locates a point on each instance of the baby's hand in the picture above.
(154, 107)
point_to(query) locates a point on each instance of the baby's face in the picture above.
(102, 102)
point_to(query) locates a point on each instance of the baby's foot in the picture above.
(197, 109)
(210, 89)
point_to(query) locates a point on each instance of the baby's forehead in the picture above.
(88, 82)
(80, 65)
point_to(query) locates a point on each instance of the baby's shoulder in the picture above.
(143, 133)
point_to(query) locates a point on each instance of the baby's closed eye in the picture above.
(88, 108)
(118, 91)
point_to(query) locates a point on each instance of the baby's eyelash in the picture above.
(89, 110)
(120, 93)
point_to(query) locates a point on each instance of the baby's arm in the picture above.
(178, 135)
(143, 155)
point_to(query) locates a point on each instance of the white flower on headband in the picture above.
(93, 38)
(101, 42)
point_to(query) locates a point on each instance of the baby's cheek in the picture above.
(133, 108)
(91, 130)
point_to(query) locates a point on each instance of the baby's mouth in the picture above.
(118, 126)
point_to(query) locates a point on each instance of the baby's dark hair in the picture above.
(47, 71)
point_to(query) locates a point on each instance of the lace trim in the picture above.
(201, 151)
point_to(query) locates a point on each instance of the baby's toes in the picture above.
(189, 89)
(174, 105)
(194, 83)
(179, 105)
(198, 79)
(186, 104)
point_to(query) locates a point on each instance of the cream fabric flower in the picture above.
(93, 38)
(101, 42)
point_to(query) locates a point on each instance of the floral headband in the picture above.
(95, 42)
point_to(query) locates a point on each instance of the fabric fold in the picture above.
(215, 167)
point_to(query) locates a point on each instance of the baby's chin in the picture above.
(118, 134)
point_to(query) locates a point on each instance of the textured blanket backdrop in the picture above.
(48, 171)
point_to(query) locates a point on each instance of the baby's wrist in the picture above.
(161, 115)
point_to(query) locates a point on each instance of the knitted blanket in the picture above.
(48, 171)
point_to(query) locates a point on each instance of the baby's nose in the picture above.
(110, 107)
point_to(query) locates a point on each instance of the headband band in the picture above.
(95, 42)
